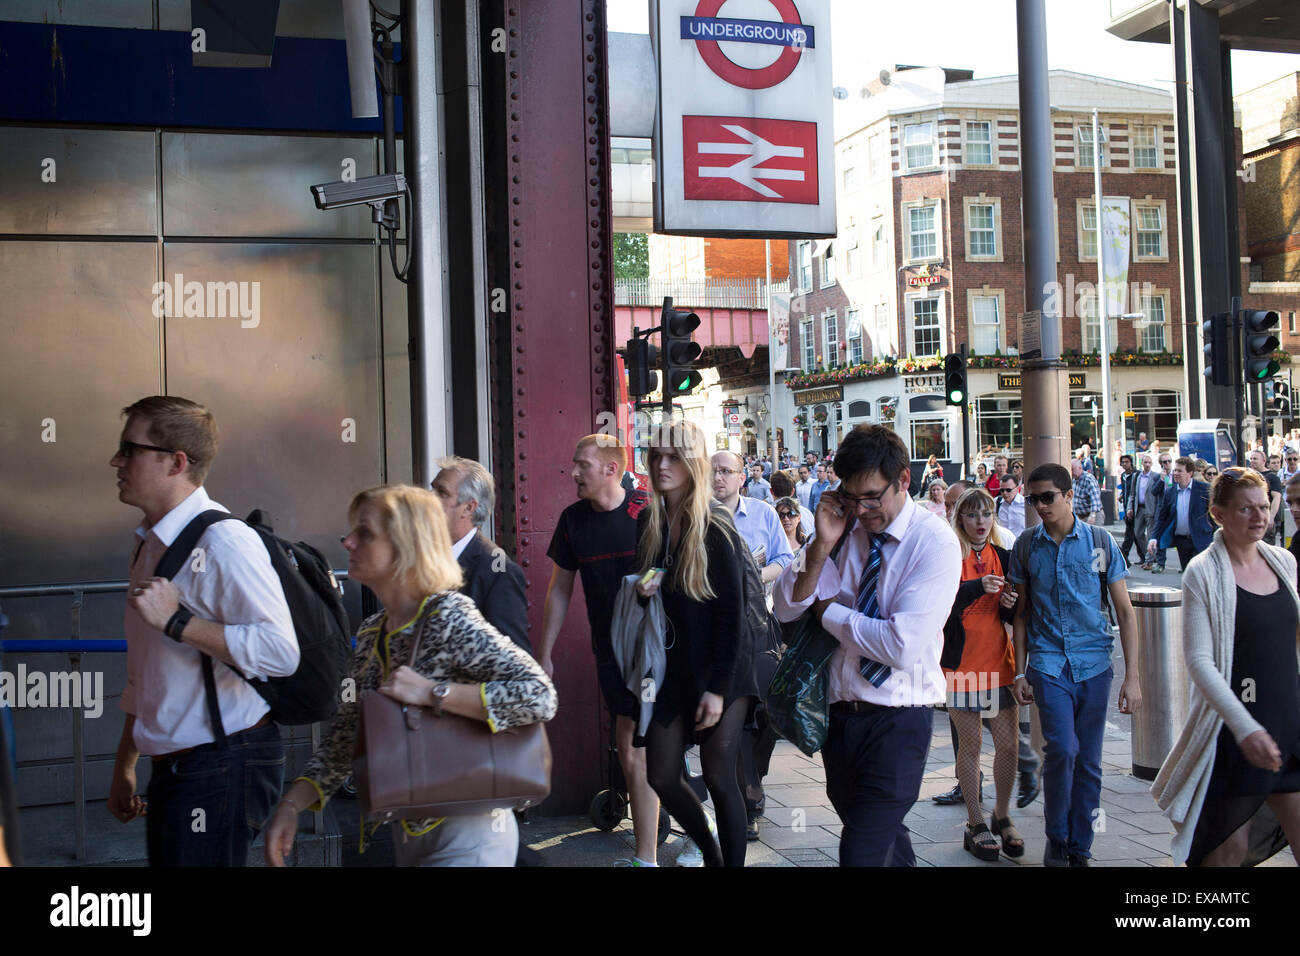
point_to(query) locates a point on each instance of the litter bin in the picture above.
(1159, 720)
(1108, 505)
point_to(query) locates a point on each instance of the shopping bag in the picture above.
(798, 699)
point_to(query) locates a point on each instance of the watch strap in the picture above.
(176, 623)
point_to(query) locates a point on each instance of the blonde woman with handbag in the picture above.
(400, 549)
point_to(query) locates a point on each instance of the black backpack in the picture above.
(315, 599)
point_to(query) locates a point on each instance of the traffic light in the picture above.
(1261, 343)
(642, 378)
(1218, 348)
(679, 352)
(1279, 398)
(954, 378)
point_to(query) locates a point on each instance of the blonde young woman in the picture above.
(979, 663)
(400, 549)
(695, 551)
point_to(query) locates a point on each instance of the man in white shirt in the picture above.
(1011, 505)
(803, 487)
(227, 603)
(884, 599)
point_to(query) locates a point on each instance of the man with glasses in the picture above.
(884, 599)
(1011, 505)
(1063, 647)
(230, 607)
(1257, 461)
(759, 525)
(819, 486)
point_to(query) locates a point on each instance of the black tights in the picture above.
(719, 752)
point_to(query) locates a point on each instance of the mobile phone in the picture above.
(650, 575)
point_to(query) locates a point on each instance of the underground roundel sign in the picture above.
(787, 33)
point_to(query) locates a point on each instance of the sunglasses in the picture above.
(1046, 498)
(125, 449)
(786, 514)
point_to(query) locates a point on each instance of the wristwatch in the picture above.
(175, 625)
(440, 692)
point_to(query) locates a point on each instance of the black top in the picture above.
(601, 546)
(496, 586)
(1264, 663)
(706, 642)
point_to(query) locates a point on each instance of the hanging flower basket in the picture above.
(801, 421)
(748, 423)
(819, 417)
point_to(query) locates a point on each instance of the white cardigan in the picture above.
(1209, 625)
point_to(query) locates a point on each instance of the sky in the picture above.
(980, 35)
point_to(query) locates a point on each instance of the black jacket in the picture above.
(496, 585)
(968, 592)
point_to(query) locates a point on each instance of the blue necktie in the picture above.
(874, 672)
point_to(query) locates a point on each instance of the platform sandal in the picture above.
(1013, 847)
(986, 850)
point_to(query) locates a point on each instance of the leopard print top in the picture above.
(456, 645)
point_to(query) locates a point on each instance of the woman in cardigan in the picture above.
(689, 545)
(980, 665)
(1234, 773)
(400, 549)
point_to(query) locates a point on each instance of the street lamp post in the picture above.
(771, 345)
(1107, 412)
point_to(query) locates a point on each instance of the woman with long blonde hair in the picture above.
(692, 553)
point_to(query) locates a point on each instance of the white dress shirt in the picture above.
(231, 582)
(920, 571)
(1011, 514)
(802, 489)
(459, 547)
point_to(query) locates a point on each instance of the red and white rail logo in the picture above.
(743, 159)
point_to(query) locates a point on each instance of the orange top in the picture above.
(987, 658)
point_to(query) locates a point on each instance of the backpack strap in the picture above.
(169, 564)
(1101, 541)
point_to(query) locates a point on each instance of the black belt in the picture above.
(847, 708)
(266, 719)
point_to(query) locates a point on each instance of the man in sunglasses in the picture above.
(227, 603)
(1063, 647)
(884, 598)
(1011, 505)
(1258, 461)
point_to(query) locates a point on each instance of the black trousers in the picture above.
(756, 748)
(874, 764)
(1130, 540)
(1186, 550)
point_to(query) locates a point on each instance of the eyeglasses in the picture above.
(726, 472)
(870, 502)
(125, 449)
(1165, 461)
(977, 514)
(1046, 498)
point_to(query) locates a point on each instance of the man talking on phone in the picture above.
(884, 599)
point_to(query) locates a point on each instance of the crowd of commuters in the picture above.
(946, 600)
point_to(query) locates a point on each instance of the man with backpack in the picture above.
(218, 763)
(1066, 570)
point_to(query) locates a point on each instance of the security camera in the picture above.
(369, 189)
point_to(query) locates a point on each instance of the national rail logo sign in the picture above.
(790, 33)
(743, 138)
(738, 158)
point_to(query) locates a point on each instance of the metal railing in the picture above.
(698, 293)
(75, 646)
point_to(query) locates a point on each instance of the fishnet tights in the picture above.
(1006, 744)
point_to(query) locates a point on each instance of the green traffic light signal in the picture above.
(1261, 343)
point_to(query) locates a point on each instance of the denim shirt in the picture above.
(1067, 621)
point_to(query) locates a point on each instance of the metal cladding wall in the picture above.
(560, 333)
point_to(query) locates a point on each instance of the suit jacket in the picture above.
(498, 594)
(1198, 517)
(1155, 489)
(1128, 495)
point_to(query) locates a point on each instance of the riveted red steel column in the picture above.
(561, 303)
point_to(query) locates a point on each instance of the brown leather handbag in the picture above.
(410, 764)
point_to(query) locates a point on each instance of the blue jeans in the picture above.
(1073, 719)
(207, 806)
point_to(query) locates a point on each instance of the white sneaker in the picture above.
(691, 854)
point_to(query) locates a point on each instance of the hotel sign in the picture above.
(1012, 380)
(924, 277)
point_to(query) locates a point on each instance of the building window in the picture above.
(1085, 419)
(859, 410)
(926, 333)
(1150, 232)
(1290, 323)
(918, 146)
(923, 232)
(881, 343)
(1146, 148)
(998, 423)
(1087, 232)
(1158, 412)
(986, 324)
(852, 264)
(876, 154)
(979, 144)
(832, 339)
(879, 251)
(805, 265)
(1153, 324)
(828, 265)
(850, 179)
(1083, 152)
(983, 221)
(855, 338)
(809, 346)
(930, 438)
